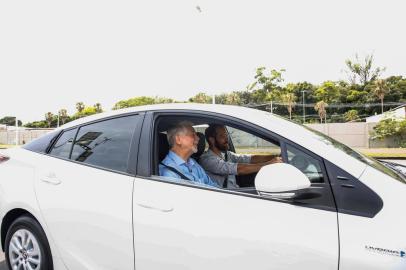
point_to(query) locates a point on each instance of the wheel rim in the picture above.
(24, 252)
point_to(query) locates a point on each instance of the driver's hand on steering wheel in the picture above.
(276, 159)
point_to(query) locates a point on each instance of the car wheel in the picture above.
(26, 246)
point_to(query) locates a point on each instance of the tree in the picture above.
(98, 108)
(351, 115)
(380, 90)
(328, 92)
(63, 115)
(201, 98)
(49, 117)
(289, 99)
(80, 106)
(85, 112)
(10, 121)
(132, 102)
(362, 71)
(266, 84)
(320, 107)
(233, 99)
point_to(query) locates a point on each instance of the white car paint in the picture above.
(94, 219)
(211, 230)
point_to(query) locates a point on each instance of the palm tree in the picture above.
(80, 106)
(49, 117)
(63, 115)
(98, 108)
(380, 90)
(320, 107)
(289, 99)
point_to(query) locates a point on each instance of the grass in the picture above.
(5, 146)
(384, 152)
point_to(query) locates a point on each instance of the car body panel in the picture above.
(181, 227)
(88, 213)
(376, 243)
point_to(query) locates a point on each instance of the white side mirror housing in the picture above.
(279, 178)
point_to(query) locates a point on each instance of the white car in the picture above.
(89, 196)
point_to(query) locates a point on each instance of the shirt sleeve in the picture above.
(238, 158)
(217, 165)
(206, 179)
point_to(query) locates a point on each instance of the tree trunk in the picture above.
(382, 104)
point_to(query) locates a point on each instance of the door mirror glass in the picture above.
(281, 180)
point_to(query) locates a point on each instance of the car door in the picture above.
(178, 225)
(84, 191)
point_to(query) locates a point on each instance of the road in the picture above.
(3, 265)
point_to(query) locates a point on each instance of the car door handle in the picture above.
(165, 210)
(51, 179)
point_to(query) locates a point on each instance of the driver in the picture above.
(223, 165)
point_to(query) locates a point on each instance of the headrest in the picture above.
(201, 146)
(163, 146)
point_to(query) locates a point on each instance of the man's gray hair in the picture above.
(179, 129)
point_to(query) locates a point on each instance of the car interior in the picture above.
(161, 149)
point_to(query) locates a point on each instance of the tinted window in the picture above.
(105, 144)
(310, 166)
(41, 144)
(63, 145)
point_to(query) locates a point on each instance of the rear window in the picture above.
(41, 144)
(105, 144)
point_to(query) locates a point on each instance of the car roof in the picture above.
(283, 127)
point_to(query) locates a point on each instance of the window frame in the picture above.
(147, 150)
(134, 142)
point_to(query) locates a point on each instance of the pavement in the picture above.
(3, 265)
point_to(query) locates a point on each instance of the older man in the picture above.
(183, 142)
(223, 165)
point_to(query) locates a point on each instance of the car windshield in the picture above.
(369, 161)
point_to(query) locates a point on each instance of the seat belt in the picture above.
(225, 183)
(175, 171)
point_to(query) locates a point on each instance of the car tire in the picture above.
(26, 243)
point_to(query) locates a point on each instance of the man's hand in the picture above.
(276, 160)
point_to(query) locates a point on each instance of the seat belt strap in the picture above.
(225, 183)
(175, 171)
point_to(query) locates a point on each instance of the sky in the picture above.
(56, 53)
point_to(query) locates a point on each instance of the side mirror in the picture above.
(280, 181)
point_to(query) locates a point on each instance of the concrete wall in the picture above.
(351, 134)
(24, 136)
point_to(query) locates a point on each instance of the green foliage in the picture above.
(351, 115)
(201, 98)
(86, 111)
(140, 101)
(37, 124)
(362, 71)
(391, 128)
(267, 83)
(327, 92)
(10, 121)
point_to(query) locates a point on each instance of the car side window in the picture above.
(105, 144)
(41, 144)
(308, 165)
(63, 145)
(247, 143)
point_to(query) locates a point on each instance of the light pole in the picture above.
(304, 108)
(16, 131)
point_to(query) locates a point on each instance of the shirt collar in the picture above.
(178, 160)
